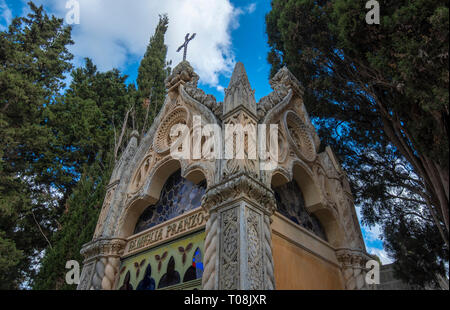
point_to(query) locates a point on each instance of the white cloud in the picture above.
(373, 233)
(370, 234)
(381, 253)
(234, 24)
(115, 33)
(5, 15)
(251, 8)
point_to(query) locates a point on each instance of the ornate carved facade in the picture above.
(214, 222)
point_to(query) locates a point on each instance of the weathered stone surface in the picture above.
(239, 200)
(239, 93)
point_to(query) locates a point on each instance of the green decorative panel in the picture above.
(174, 265)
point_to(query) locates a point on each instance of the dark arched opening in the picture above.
(291, 204)
(178, 196)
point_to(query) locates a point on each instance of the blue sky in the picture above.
(249, 46)
(115, 33)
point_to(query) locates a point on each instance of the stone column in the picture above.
(238, 252)
(101, 264)
(238, 246)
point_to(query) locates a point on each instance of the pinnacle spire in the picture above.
(239, 92)
(239, 76)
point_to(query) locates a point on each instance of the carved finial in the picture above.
(182, 73)
(135, 134)
(239, 92)
(284, 78)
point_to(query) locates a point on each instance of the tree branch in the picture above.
(40, 229)
(124, 127)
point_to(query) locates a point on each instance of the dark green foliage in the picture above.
(57, 149)
(9, 260)
(153, 71)
(89, 121)
(33, 60)
(78, 225)
(414, 246)
(85, 118)
(379, 97)
(84, 122)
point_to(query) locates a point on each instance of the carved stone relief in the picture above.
(254, 246)
(104, 211)
(86, 275)
(247, 164)
(163, 140)
(300, 136)
(229, 248)
(142, 173)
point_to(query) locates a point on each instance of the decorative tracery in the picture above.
(178, 196)
(301, 138)
(291, 204)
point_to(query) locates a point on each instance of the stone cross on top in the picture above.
(185, 45)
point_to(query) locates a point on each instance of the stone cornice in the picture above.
(238, 186)
(238, 109)
(353, 258)
(103, 247)
(172, 229)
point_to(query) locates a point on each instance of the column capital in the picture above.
(240, 186)
(353, 264)
(103, 247)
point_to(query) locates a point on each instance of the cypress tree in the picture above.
(77, 227)
(87, 122)
(152, 73)
(33, 60)
(57, 151)
(84, 122)
(379, 96)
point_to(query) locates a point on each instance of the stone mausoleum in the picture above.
(220, 223)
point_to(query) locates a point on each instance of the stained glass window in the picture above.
(127, 286)
(171, 277)
(195, 271)
(178, 196)
(174, 265)
(148, 282)
(291, 204)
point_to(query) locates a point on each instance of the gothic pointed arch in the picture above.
(300, 200)
(291, 204)
(178, 196)
(157, 230)
(167, 194)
